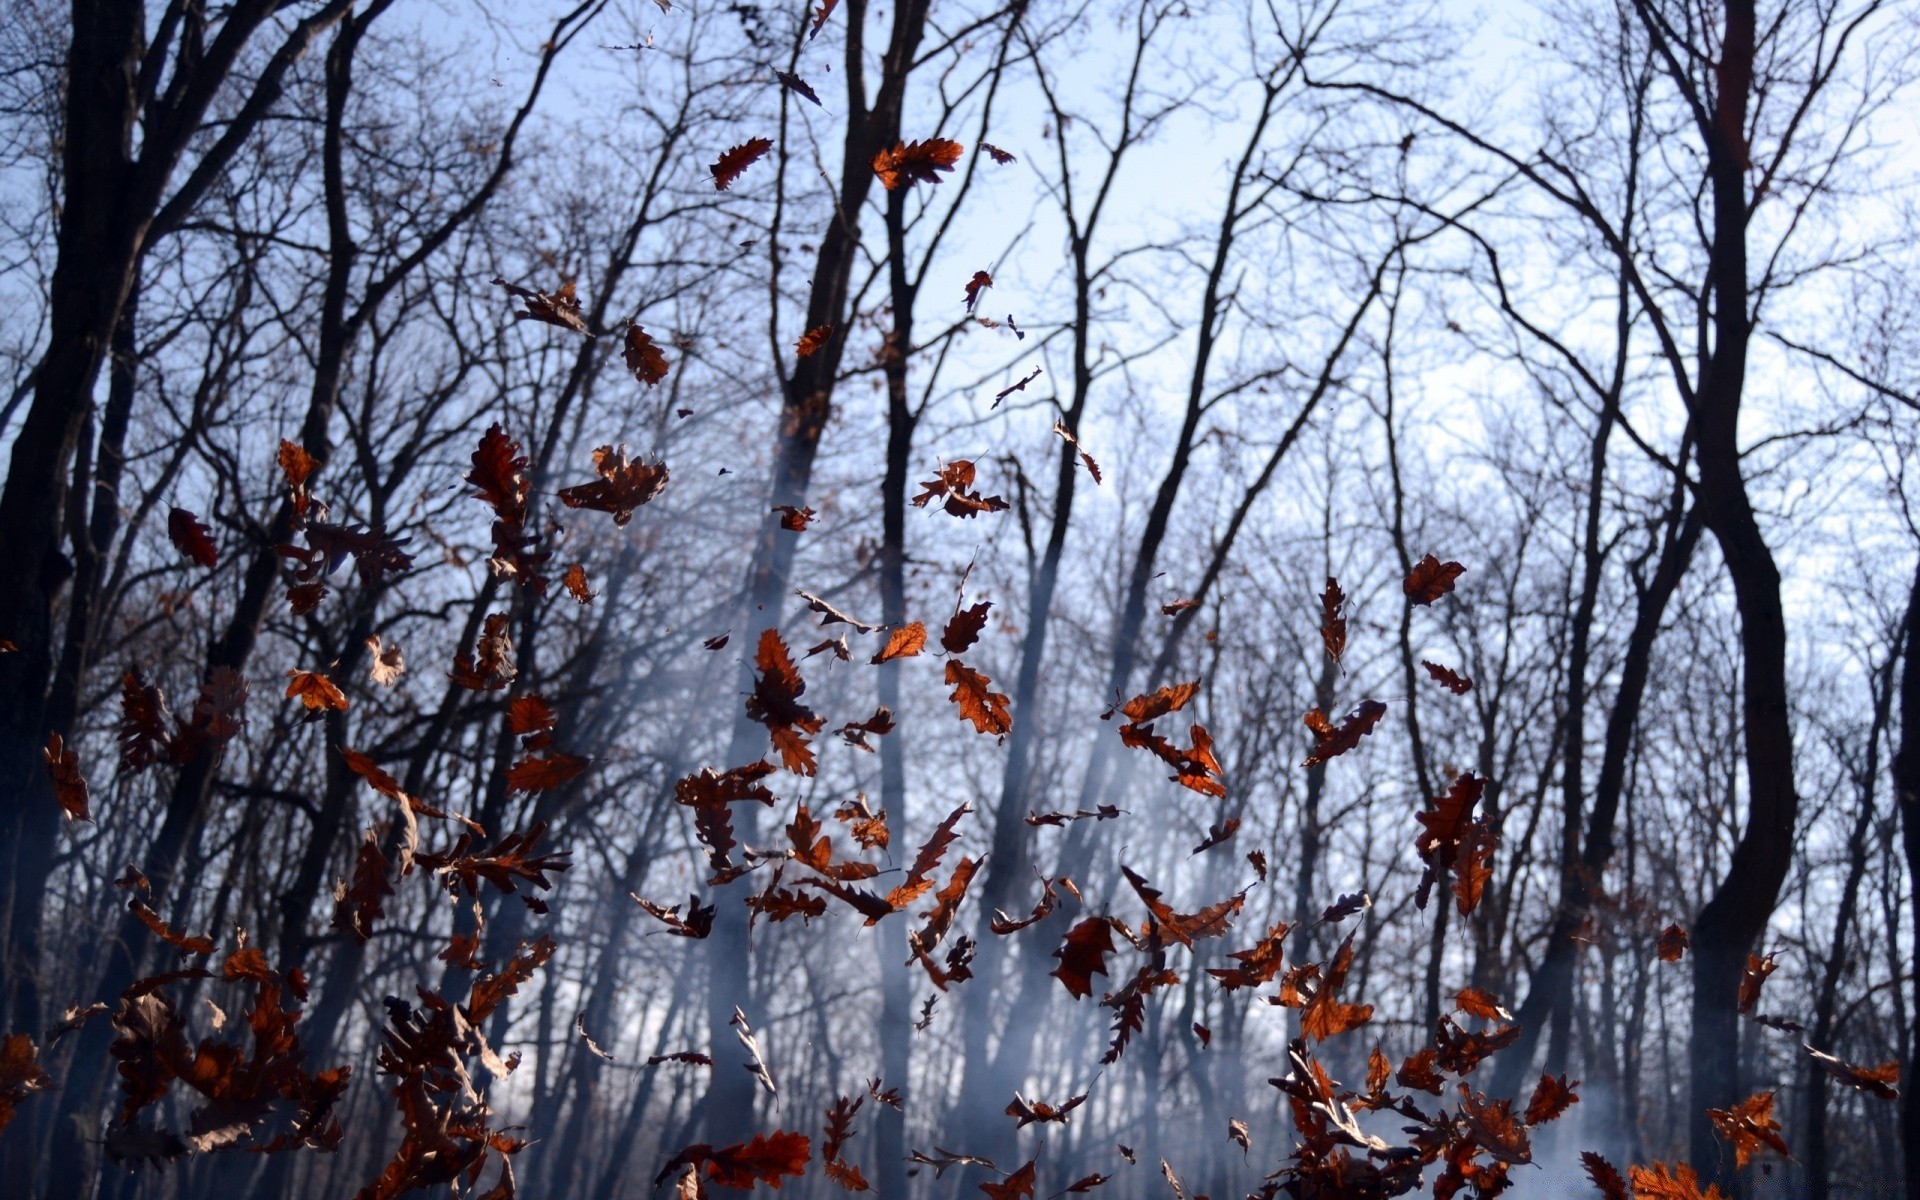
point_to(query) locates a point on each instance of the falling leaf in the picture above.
(812, 340)
(792, 519)
(386, 663)
(315, 691)
(1331, 741)
(1030, 1112)
(1333, 621)
(963, 628)
(1324, 1015)
(1878, 1081)
(1551, 1098)
(820, 17)
(1750, 1126)
(69, 785)
(1020, 385)
(698, 922)
(980, 282)
(907, 163)
(775, 703)
(623, 485)
(1431, 579)
(1017, 1186)
(1448, 678)
(829, 615)
(904, 642)
(1605, 1176)
(562, 308)
(856, 732)
(644, 357)
(1673, 944)
(955, 483)
(20, 1074)
(717, 643)
(796, 85)
(1083, 955)
(985, 708)
(764, 1159)
(575, 581)
(1061, 431)
(729, 165)
(190, 537)
(1218, 834)
(1758, 968)
(997, 154)
(1478, 1003)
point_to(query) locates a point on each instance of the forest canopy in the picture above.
(630, 598)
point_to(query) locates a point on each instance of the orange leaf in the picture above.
(315, 691)
(812, 340)
(904, 642)
(978, 703)
(622, 487)
(575, 581)
(1673, 944)
(907, 163)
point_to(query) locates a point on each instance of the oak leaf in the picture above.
(191, 538)
(643, 356)
(907, 163)
(737, 159)
(623, 486)
(985, 708)
(904, 642)
(1431, 579)
(69, 784)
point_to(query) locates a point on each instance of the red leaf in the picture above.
(738, 159)
(191, 538)
(1431, 579)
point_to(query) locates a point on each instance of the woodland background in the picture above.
(1611, 303)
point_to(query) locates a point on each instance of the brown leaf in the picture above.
(1478, 1003)
(191, 538)
(698, 922)
(1331, 741)
(1448, 678)
(1218, 834)
(919, 878)
(797, 86)
(1333, 622)
(143, 723)
(775, 703)
(297, 466)
(1551, 1098)
(878, 725)
(1878, 1081)
(1605, 1176)
(954, 485)
(997, 154)
(1661, 1182)
(980, 282)
(1030, 1112)
(963, 628)
(644, 356)
(907, 163)
(1673, 944)
(1258, 965)
(69, 785)
(737, 159)
(543, 773)
(978, 703)
(1017, 1186)
(20, 1074)
(623, 485)
(1431, 579)
(562, 308)
(1758, 968)
(185, 943)
(1060, 430)
(1324, 1016)
(1083, 955)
